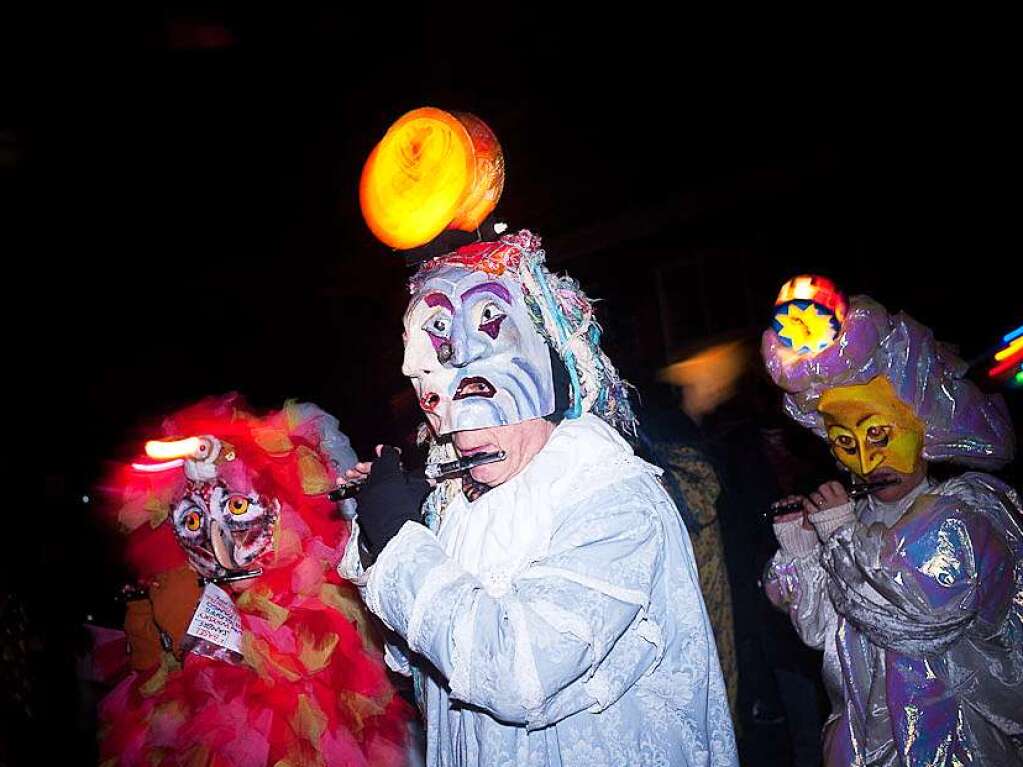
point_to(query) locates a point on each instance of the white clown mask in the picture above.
(473, 353)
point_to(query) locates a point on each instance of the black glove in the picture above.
(390, 497)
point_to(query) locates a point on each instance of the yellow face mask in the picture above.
(869, 427)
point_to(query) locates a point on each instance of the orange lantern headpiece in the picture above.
(433, 170)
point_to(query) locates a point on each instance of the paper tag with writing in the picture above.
(216, 619)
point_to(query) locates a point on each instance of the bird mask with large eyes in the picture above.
(473, 352)
(222, 529)
(221, 521)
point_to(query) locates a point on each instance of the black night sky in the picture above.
(190, 182)
(181, 186)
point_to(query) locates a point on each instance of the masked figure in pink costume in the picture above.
(915, 592)
(246, 648)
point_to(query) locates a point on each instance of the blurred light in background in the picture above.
(708, 378)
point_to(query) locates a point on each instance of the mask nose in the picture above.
(223, 546)
(464, 348)
(869, 460)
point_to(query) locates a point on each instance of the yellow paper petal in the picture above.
(256, 600)
(273, 441)
(157, 510)
(287, 546)
(315, 655)
(312, 472)
(254, 653)
(351, 607)
(300, 754)
(159, 679)
(361, 708)
(259, 656)
(309, 721)
(292, 414)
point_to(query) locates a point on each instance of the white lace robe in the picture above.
(558, 618)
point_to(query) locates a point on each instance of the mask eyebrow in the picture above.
(496, 288)
(865, 419)
(439, 299)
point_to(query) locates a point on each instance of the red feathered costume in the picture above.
(308, 686)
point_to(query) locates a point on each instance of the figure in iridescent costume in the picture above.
(914, 593)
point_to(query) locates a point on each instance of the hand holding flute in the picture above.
(354, 478)
(827, 496)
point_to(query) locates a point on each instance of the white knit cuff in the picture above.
(794, 539)
(829, 520)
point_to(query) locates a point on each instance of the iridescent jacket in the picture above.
(918, 607)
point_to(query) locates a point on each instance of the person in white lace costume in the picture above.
(556, 618)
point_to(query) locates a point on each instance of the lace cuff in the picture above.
(396, 660)
(350, 567)
(386, 594)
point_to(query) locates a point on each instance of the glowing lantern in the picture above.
(808, 314)
(489, 183)
(172, 454)
(433, 170)
(181, 448)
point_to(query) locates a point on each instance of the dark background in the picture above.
(181, 187)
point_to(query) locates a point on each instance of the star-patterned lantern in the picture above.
(808, 314)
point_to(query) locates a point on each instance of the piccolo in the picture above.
(132, 591)
(242, 575)
(858, 490)
(434, 471)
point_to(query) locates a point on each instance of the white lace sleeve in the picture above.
(554, 640)
(350, 568)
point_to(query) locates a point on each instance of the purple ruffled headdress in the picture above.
(963, 424)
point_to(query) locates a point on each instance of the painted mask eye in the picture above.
(237, 505)
(491, 318)
(878, 435)
(490, 313)
(846, 443)
(192, 521)
(439, 325)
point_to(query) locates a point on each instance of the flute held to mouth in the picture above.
(857, 490)
(434, 471)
